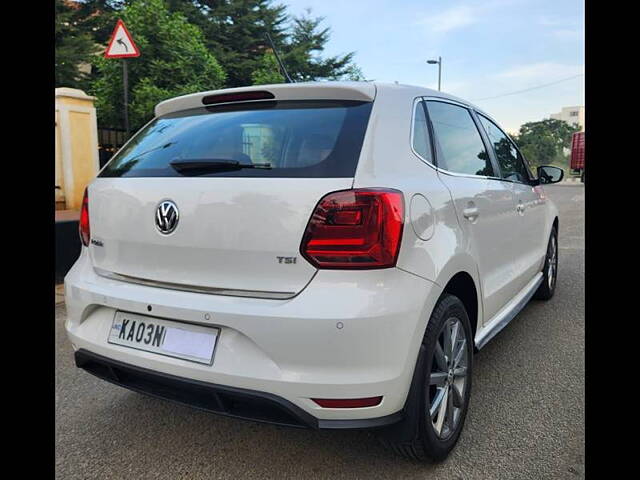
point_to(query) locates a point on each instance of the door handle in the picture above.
(470, 213)
(520, 208)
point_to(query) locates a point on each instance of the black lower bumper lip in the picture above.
(223, 400)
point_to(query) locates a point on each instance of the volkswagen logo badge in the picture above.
(167, 217)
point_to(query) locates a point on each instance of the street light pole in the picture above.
(439, 62)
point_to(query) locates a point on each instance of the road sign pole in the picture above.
(125, 82)
(122, 46)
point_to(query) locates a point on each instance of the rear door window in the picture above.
(460, 147)
(295, 138)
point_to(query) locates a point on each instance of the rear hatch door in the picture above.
(243, 180)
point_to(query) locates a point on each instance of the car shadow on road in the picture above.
(166, 434)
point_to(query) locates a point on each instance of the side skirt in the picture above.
(504, 316)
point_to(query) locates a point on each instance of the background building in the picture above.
(571, 115)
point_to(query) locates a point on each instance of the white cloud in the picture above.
(562, 28)
(546, 21)
(451, 19)
(460, 16)
(568, 34)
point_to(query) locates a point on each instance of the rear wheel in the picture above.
(439, 397)
(550, 270)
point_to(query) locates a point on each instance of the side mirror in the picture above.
(548, 174)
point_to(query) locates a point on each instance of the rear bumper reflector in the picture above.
(348, 402)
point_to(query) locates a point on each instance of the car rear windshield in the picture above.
(282, 138)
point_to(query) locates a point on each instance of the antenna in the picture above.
(275, 51)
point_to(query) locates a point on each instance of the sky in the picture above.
(489, 48)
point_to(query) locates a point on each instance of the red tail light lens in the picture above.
(348, 402)
(85, 233)
(359, 228)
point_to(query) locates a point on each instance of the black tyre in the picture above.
(550, 270)
(438, 399)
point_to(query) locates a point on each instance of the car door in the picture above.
(483, 201)
(528, 198)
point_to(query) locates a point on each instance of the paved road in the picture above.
(526, 417)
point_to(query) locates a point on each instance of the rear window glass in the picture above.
(295, 138)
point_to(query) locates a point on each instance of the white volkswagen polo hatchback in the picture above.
(325, 255)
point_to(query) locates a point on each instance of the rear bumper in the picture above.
(223, 400)
(346, 335)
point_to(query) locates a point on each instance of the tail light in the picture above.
(85, 232)
(238, 97)
(359, 228)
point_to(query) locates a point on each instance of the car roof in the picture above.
(362, 91)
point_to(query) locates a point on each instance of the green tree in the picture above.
(98, 17)
(303, 53)
(268, 71)
(235, 32)
(73, 46)
(185, 46)
(544, 142)
(174, 61)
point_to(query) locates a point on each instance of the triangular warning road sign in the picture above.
(121, 44)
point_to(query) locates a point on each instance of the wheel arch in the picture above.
(459, 276)
(463, 286)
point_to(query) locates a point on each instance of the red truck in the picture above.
(577, 155)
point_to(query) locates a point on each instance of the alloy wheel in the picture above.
(552, 260)
(448, 379)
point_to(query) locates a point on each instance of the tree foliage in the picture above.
(175, 62)
(544, 142)
(186, 46)
(99, 17)
(73, 46)
(302, 53)
(235, 32)
(268, 71)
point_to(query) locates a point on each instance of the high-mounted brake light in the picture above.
(360, 228)
(83, 225)
(237, 97)
(348, 402)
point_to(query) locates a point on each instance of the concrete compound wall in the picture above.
(76, 146)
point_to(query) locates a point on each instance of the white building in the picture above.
(571, 115)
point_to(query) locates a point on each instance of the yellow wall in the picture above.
(81, 156)
(76, 145)
(59, 174)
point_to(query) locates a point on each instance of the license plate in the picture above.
(156, 335)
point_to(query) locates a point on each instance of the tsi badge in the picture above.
(286, 259)
(167, 217)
